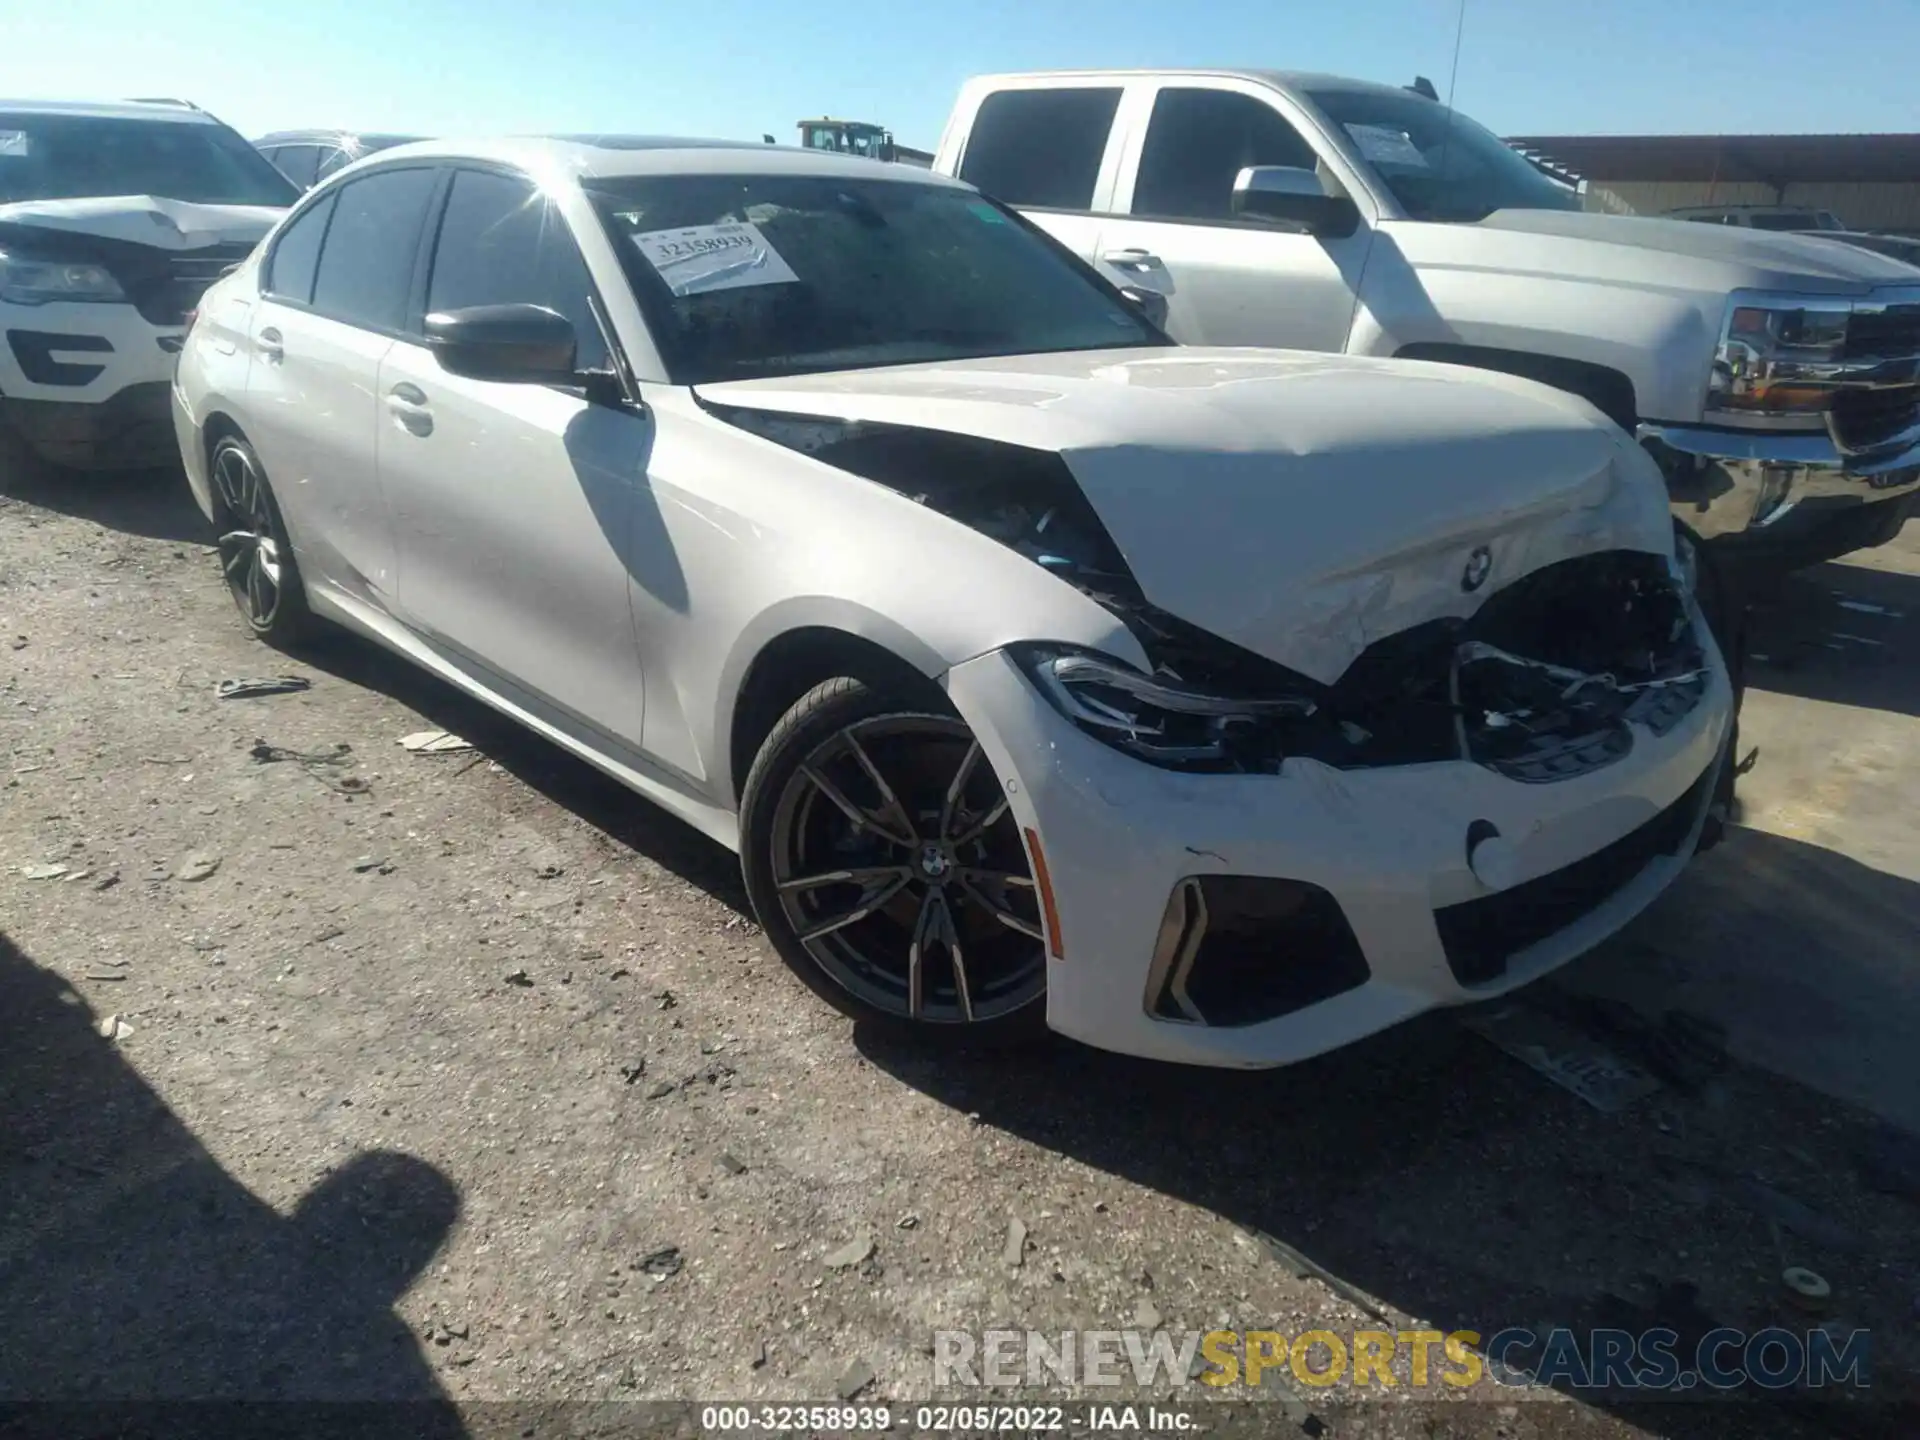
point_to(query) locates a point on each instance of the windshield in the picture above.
(1898, 248)
(74, 157)
(1439, 168)
(743, 276)
(1793, 220)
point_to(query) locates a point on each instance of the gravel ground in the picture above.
(469, 1075)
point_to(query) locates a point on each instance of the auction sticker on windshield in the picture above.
(1386, 146)
(700, 258)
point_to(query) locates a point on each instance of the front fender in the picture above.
(1596, 304)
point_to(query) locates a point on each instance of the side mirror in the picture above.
(514, 344)
(1150, 303)
(1293, 196)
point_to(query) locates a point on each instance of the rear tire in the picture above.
(256, 555)
(888, 872)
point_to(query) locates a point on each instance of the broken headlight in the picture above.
(1159, 718)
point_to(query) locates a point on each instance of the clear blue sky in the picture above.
(738, 68)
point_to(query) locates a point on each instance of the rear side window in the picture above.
(1199, 141)
(332, 158)
(501, 243)
(296, 254)
(366, 266)
(297, 162)
(1040, 148)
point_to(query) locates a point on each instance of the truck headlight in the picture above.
(1162, 721)
(1780, 357)
(25, 281)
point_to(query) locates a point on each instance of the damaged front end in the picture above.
(1543, 682)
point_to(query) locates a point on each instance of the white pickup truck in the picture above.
(1775, 377)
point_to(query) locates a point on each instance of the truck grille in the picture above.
(1865, 418)
(1883, 331)
(1482, 936)
(1883, 404)
(165, 293)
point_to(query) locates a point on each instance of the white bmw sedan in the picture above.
(1222, 706)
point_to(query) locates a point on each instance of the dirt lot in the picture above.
(468, 1075)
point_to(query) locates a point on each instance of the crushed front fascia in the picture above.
(1576, 679)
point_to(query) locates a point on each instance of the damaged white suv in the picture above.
(113, 219)
(1216, 705)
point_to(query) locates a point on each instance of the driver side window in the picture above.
(1198, 141)
(503, 243)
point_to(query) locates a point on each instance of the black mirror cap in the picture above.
(1329, 215)
(513, 344)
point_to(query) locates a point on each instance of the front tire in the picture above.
(888, 871)
(256, 556)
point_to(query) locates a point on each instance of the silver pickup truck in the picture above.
(1775, 377)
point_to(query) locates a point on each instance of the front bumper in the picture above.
(1761, 490)
(1390, 847)
(85, 385)
(129, 430)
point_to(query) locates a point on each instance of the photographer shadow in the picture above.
(136, 1273)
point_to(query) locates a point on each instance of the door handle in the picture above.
(1132, 259)
(270, 345)
(407, 403)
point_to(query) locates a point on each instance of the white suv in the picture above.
(113, 220)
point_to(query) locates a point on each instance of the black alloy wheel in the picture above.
(256, 557)
(888, 870)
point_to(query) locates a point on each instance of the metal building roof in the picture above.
(1771, 159)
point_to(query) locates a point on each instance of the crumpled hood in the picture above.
(146, 220)
(1751, 258)
(1302, 506)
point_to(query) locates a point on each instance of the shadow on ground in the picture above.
(153, 503)
(1429, 1169)
(133, 1268)
(1846, 634)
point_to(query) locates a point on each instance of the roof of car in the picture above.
(1747, 210)
(112, 110)
(1871, 240)
(611, 156)
(1284, 79)
(379, 139)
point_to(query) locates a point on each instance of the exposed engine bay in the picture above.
(1541, 683)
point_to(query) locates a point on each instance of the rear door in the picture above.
(1051, 153)
(334, 295)
(1227, 281)
(513, 504)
